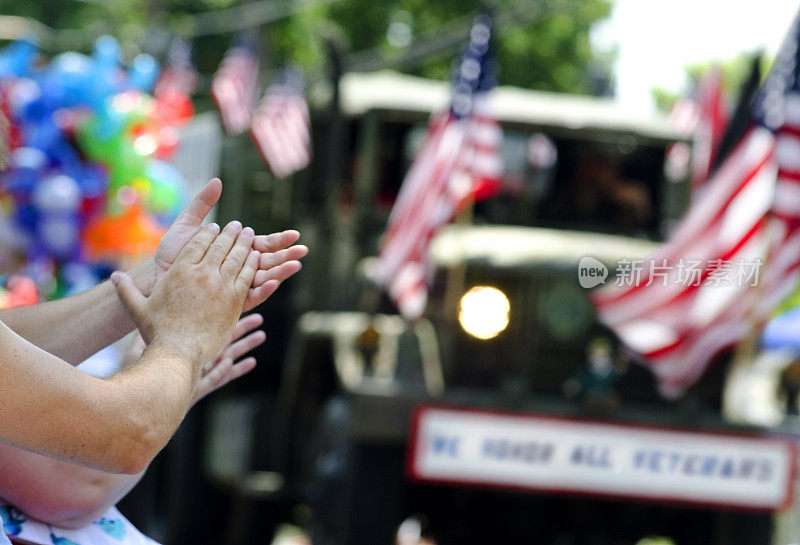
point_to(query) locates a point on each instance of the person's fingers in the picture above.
(219, 249)
(237, 256)
(201, 204)
(243, 326)
(212, 376)
(247, 273)
(235, 371)
(258, 295)
(275, 241)
(129, 294)
(230, 372)
(197, 247)
(223, 372)
(239, 368)
(246, 325)
(243, 346)
(279, 273)
(273, 259)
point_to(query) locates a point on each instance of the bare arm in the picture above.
(76, 327)
(121, 423)
(117, 424)
(72, 496)
(59, 493)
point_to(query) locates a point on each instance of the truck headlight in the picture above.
(483, 312)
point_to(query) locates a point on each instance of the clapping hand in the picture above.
(194, 306)
(278, 258)
(227, 366)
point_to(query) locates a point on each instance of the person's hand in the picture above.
(194, 306)
(227, 366)
(278, 260)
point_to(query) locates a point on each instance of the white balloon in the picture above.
(58, 193)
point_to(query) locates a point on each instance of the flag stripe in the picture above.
(234, 88)
(697, 231)
(460, 156)
(281, 126)
(749, 210)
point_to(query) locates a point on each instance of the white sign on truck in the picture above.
(560, 455)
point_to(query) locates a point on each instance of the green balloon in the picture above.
(163, 197)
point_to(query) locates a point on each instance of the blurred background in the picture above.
(462, 172)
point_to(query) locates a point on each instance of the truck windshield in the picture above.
(572, 183)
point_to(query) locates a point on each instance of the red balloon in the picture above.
(173, 108)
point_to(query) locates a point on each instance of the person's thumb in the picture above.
(129, 294)
(199, 207)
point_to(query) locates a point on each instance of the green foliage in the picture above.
(537, 46)
(541, 45)
(663, 98)
(734, 73)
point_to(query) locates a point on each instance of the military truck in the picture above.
(362, 419)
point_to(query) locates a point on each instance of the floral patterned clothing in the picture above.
(110, 529)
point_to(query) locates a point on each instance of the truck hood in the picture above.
(512, 246)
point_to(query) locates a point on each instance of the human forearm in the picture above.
(117, 425)
(76, 327)
(56, 492)
(159, 389)
(121, 423)
(71, 496)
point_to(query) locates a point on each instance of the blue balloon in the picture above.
(71, 76)
(143, 73)
(107, 51)
(93, 181)
(17, 59)
(25, 218)
(108, 77)
(109, 120)
(45, 136)
(26, 167)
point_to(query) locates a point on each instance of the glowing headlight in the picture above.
(483, 312)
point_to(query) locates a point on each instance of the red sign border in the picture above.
(413, 475)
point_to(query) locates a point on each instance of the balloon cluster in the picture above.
(87, 185)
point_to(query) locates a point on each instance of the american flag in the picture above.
(459, 159)
(683, 117)
(281, 126)
(713, 116)
(741, 116)
(235, 85)
(179, 75)
(733, 257)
